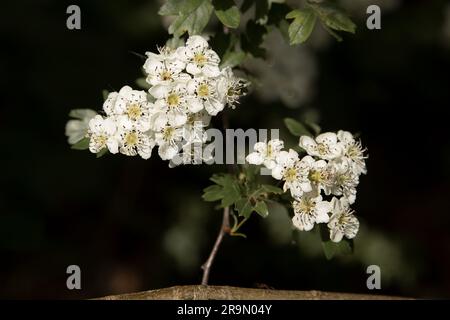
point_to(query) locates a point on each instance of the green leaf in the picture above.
(314, 127)
(174, 42)
(271, 189)
(141, 82)
(178, 7)
(332, 249)
(226, 189)
(212, 193)
(301, 27)
(227, 12)
(192, 21)
(296, 128)
(333, 16)
(261, 209)
(333, 33)
(105, 94)
(101, 153)
(83, 144)
(244, 207)
(232, 59)
(82, 114)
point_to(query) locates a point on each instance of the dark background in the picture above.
(136, 225)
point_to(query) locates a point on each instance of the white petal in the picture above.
(303, 222)
(167, 152)
(183, 53)
(109, 126)
(176, 65)
(193, 69)
(158, 121)
(194, 104)
(328, 138)
(113, 145)
(269, 164)
(336, 235)
(323, 207)
(255, 158)
(306, 186)
(260, 147)
(345, 137)
(277, 172)
(322, 217)
(153, 66)
(177, 118)
(213, 106)
(197, 42)
(276, 144)
(145, 147)
(109, 104)
(307, 143)
(159, 91)
(211, 71)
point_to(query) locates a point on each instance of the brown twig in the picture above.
(234, 293)
(225, 228)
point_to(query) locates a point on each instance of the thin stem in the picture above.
(225, 228)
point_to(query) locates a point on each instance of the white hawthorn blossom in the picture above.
(171, 105)
(77, 128)
(186, 89)
(194, 128)
(203, 94)
(331, 168)
(342, 221)
(133, 141)
(309, 210)
(230, 88)
(131, 103)
(353, 150)
(266, 153)
(293, 172)
(325, 146)
(102, 134)
(343, 181)
(199, 58)
(168, 141)
(164, 71)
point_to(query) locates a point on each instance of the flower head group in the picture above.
(187, 88)
(322, 183)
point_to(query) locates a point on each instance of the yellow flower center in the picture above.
(353, 152)
(315, 176)
(290, 174)
(101, 140)
(173, 100)
(343, 219)
(131, 138)
(168, 133)
(306, 206)
(203, 90)
(322, 149)
(166, 75)
(200, 59)
(134, 111)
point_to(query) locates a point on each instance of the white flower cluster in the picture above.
(331, 168)
(187, 88)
